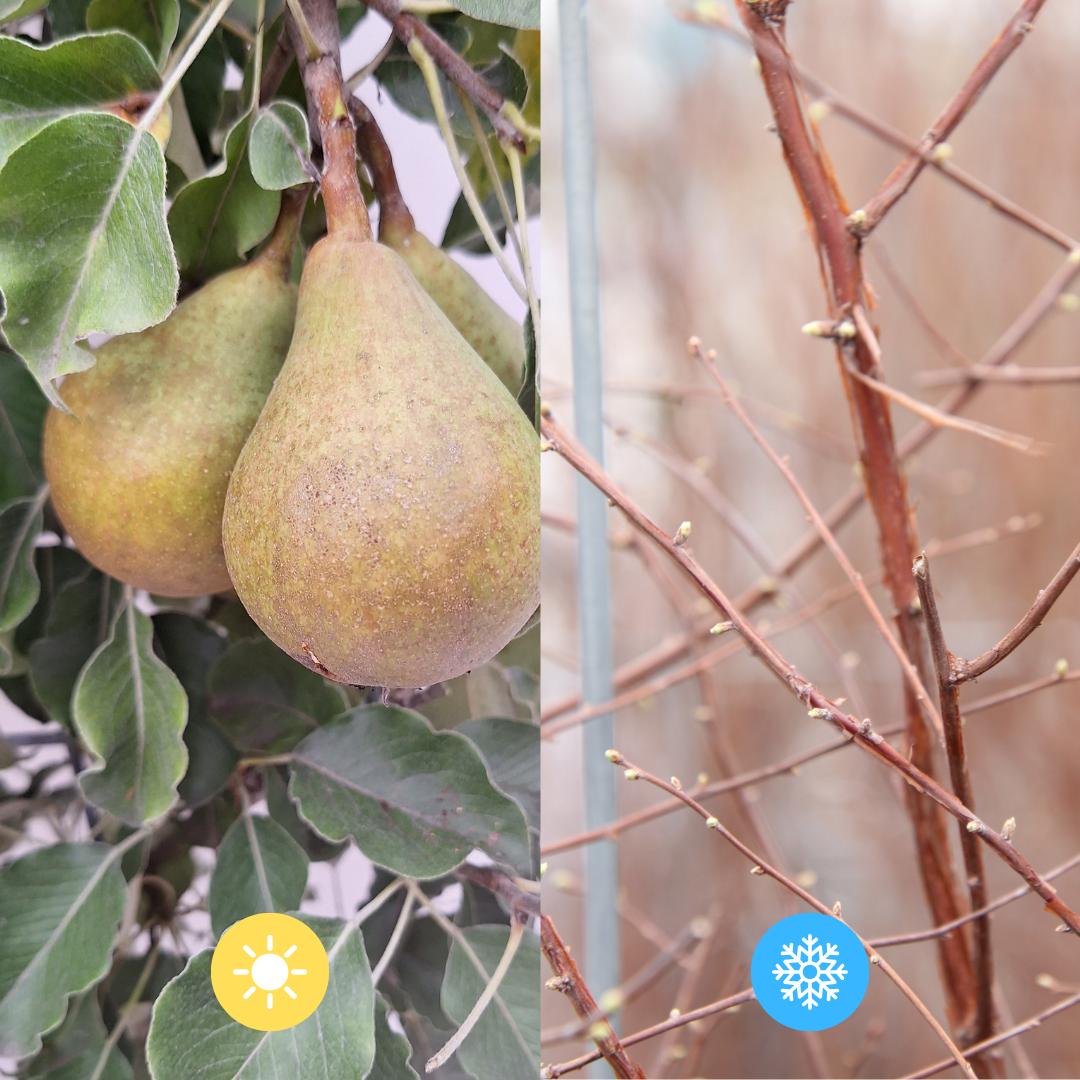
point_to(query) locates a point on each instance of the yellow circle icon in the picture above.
(269, 972)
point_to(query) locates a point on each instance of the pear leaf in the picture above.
(511, 751)
(280, 147)
(60, 907)
(216, 219)
(78, 1047)
(415, 800)
(83, 241)
(78, 623)
(522, 14)
(153, 22)
(43, 83)
(504, 1042)
(264, 701)
(260, 867)
(392, 1050)
(192, 1037)
(130, 711)
(20, 524)
(22, 413)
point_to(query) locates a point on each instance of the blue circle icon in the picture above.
(809, 972)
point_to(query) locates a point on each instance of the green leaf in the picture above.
(153, 22)
(67, 17)
(521, 14)
(526, 397)
(280, 808)
(392, 1050)
(83, 241)
(20, 525)
(130, 711)
(192, 1038)
(260, 867)
(415, 800)
(265, 701)
(75, 1049)
(78, 623)
(497, 1047)
(60, 908)
(22, 412)
(216, 219)
(191, 646)
(511, 751)
(280, 147)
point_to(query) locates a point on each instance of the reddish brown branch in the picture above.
(982, 1026)
(551, 1071)
(568, 980)
(898, 182)
(1003, 1037)
(838, 252)
(717, 19)
(862, 733)
(965, 670)
(482, 94)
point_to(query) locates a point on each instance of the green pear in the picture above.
(139, 468)
(382, 524)
(481, 322)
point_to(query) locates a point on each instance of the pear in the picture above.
(382, 524)
(139, 468)
(481, 322)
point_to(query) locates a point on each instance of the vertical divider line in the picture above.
(593, 572)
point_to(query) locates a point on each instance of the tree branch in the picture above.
(966, 670)
(899, 181)
(982, 1026)
(568, 980)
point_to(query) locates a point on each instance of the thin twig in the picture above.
(899, 181)
(764, 869)
(1012, 374)
(965, 670)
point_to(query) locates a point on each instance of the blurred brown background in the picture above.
(701, 233)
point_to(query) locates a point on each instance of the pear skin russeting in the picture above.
(382, 522)
(139, 469)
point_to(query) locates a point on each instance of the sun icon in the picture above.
(270, 971)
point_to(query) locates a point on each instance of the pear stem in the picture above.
(376, 154)
(346, 212)
(279, 248)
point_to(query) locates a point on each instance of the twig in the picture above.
(715, 18)
(806, 692)
(1008, 898)
(965, 670)
(568, 980)
(396, 935)
(762, 868)
(949, 693)
(708, 361)
(549, 1072)
(1012, 374)
(898, 182)
(1019, 1029)
(504, 118)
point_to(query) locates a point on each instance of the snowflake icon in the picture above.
(810, 972)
